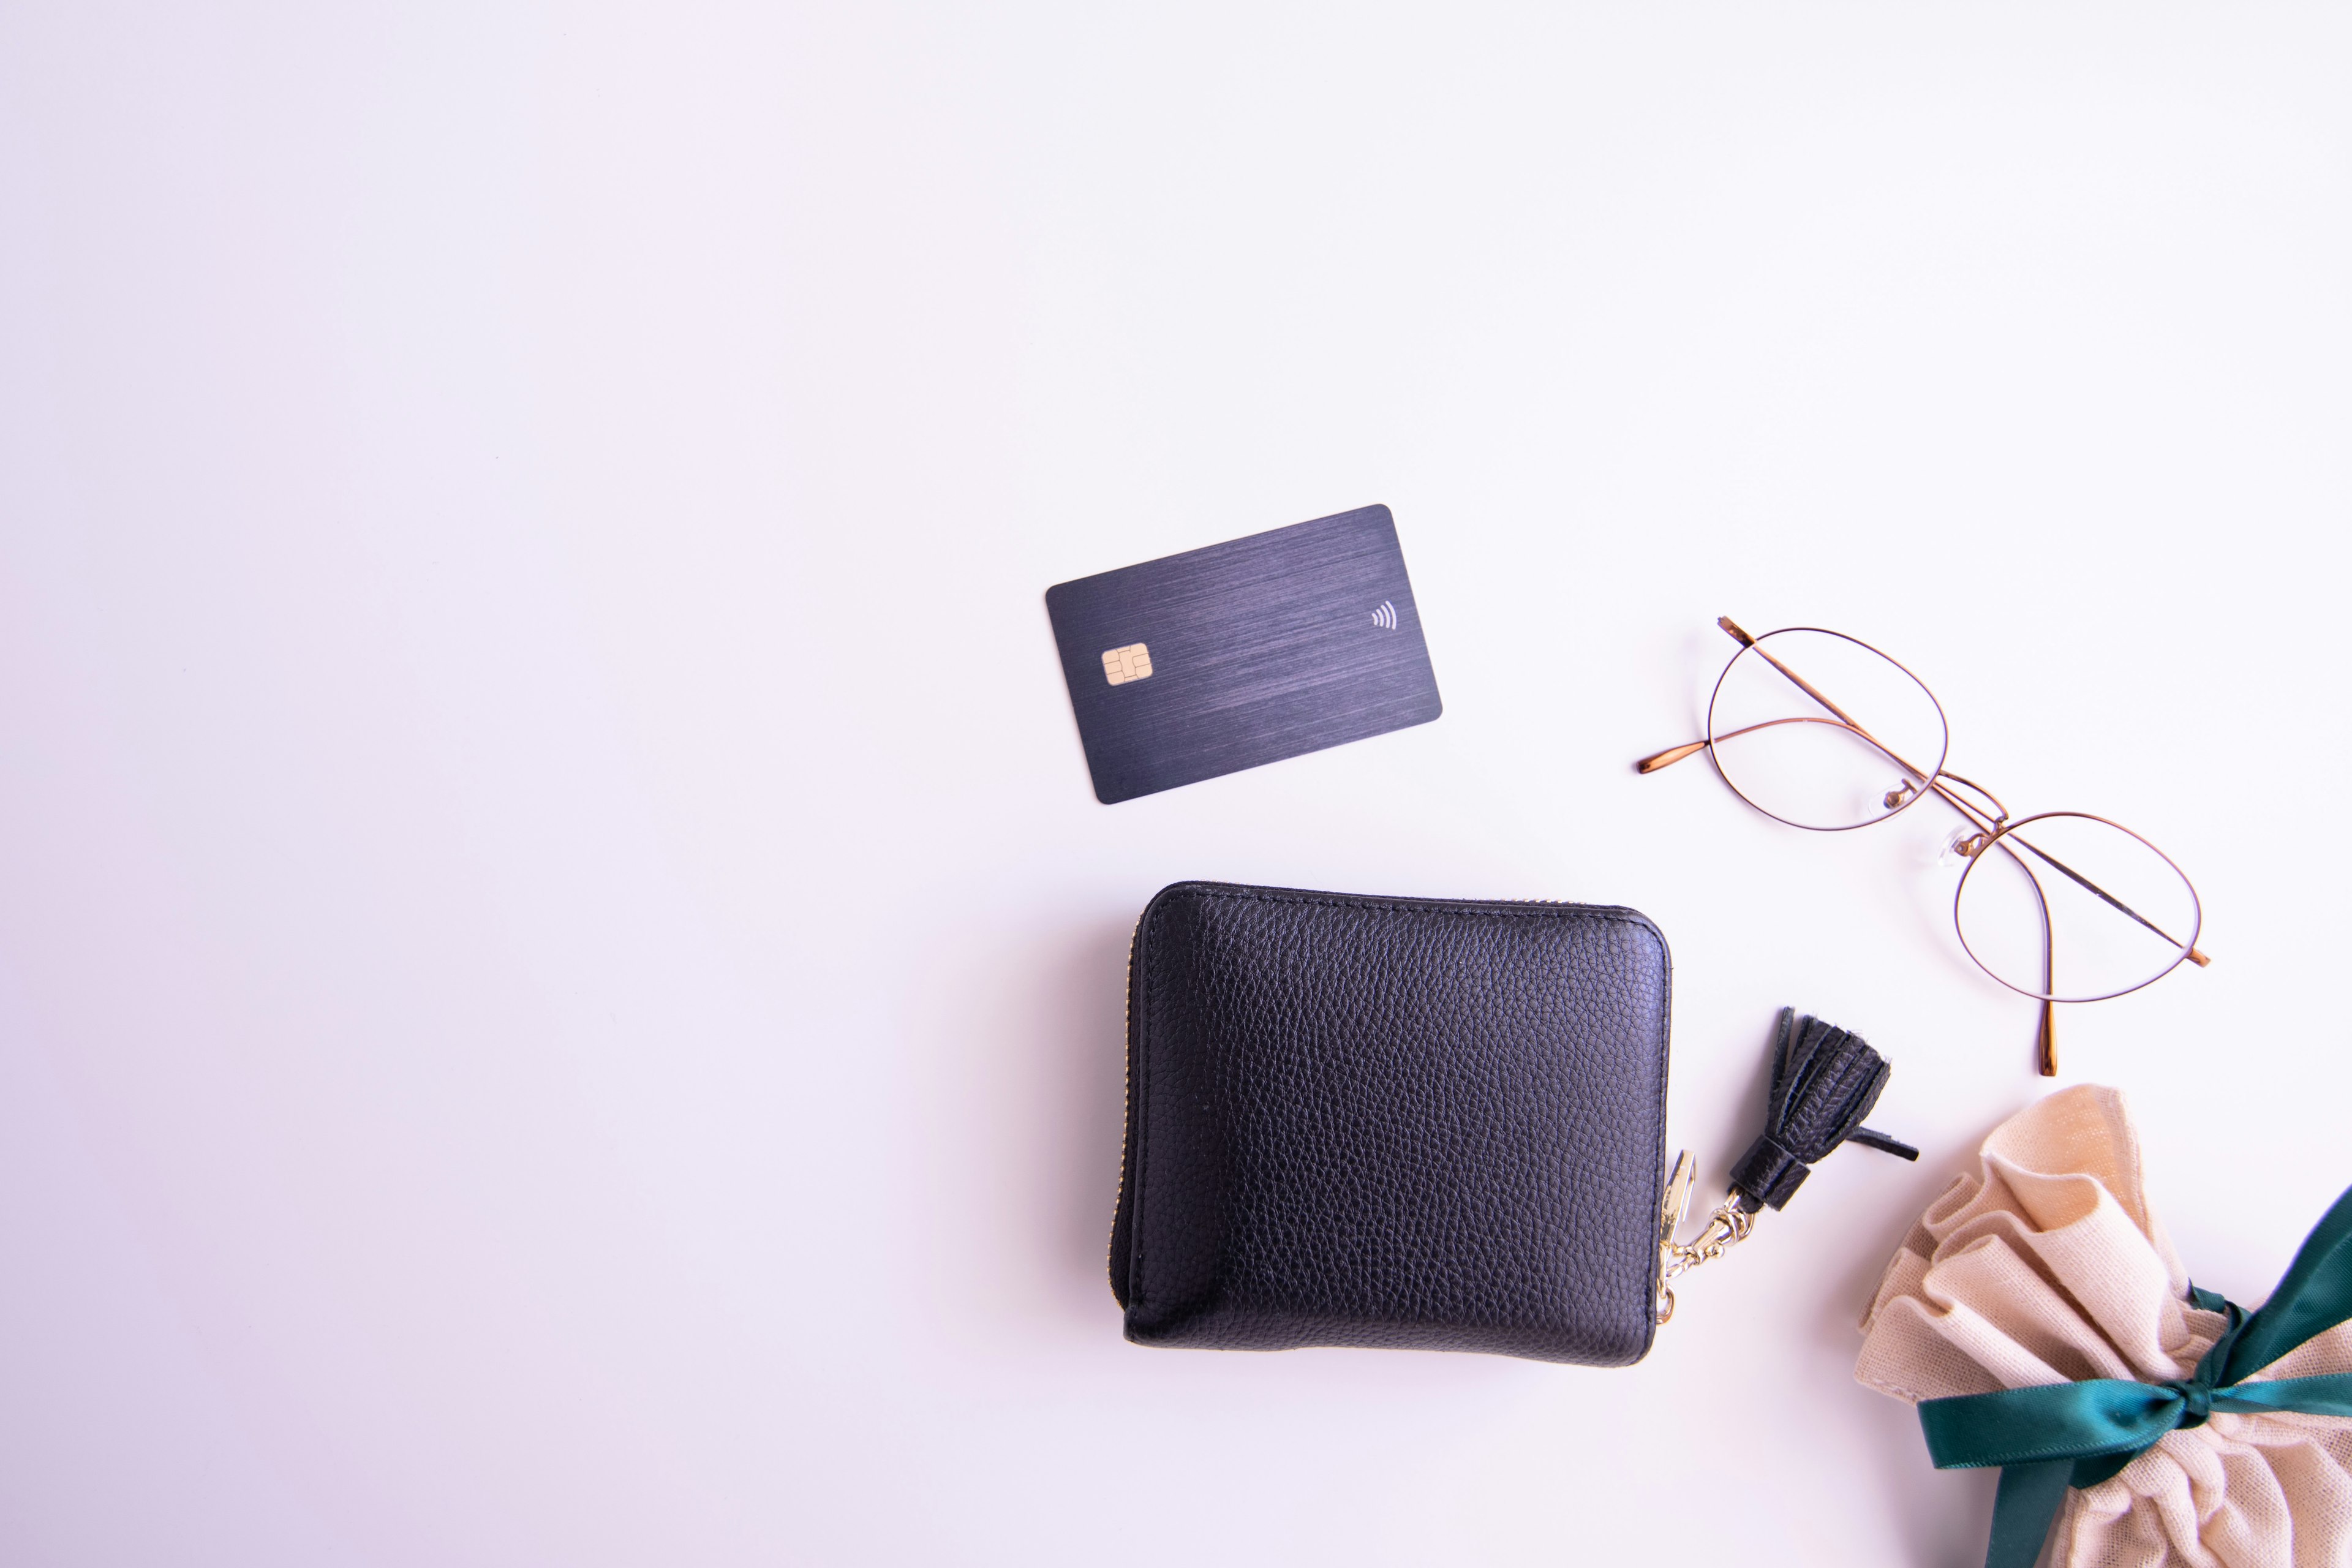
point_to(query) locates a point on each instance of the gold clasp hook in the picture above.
(1676, 1199)
(1729, 1223)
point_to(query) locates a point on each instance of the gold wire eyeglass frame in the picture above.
(1988, 818)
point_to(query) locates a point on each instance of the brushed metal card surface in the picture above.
(1246, 652)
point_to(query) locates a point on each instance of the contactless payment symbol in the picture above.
(1121, 664)
(1385, 616)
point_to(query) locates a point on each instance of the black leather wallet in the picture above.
(1416, 1124)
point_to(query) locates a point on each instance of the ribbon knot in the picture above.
(2196, 1400)
(2051, 1436)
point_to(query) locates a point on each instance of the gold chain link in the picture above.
(1726, 1227)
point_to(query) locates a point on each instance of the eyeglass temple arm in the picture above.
(2104, 896)
(2045, 1033)
(1670, 756)
(1976, 818)
(1993, 826)
(1673, 754)
(1807, 687)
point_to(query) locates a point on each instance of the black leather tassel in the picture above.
(1824, 1081)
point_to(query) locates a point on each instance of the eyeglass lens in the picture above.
(2117, 913)
(1823, 731)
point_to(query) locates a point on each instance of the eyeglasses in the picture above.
(2080, 911)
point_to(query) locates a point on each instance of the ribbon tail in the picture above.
(2024, 1509)
(2314, 1296)
(2330, 1393)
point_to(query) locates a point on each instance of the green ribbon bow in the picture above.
(2062, 1434)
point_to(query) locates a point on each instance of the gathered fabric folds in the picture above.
(2046, 1266)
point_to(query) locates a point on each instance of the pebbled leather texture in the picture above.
(1412, 1124)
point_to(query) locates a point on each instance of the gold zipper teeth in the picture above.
(1126, 1103)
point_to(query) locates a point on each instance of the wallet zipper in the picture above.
(1127, 1081)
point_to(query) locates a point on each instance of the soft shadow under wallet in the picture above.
(1417, 1123)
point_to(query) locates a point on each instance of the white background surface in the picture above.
(560, 977)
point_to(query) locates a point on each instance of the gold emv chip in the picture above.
(1121, 664)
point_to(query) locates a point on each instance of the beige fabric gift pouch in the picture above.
(2046, 1266)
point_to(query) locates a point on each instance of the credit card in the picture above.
(1248, 652)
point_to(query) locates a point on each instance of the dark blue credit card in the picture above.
(1246, 652)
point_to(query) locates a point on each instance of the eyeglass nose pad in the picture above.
(1962, 847)
(1899, 794)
